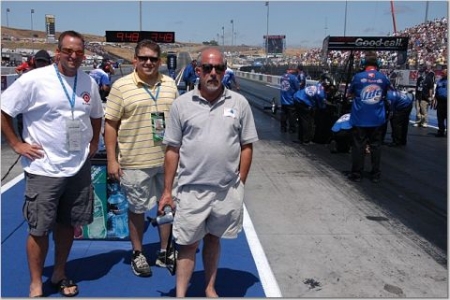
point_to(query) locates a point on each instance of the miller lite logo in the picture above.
(371, 94)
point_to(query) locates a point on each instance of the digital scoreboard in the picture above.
(137, 36)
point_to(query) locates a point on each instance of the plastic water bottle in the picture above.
(118, 213)
(97, 229)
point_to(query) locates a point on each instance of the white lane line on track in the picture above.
(268, 281)
(12, 182)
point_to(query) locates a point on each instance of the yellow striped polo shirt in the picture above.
(139, 108)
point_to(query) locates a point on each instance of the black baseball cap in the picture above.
(42, 59)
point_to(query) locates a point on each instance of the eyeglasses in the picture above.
(69, 52)
(207, 68)
(146, 58)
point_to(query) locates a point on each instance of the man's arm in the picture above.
(246, 161)
(111, 128)
(170, 168)
(96, 128)
(31, 152)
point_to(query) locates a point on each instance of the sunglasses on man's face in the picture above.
(69, 52)
(207, 68)
(144, 59)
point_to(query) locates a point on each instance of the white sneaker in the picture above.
(416, 124)
(424, 125)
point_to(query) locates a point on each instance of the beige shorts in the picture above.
(142, 187)
(204, 209)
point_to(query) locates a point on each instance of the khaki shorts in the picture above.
(64, 200)
(142, 187)
(204, 209)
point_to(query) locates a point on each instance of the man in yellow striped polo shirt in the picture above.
(137, 110)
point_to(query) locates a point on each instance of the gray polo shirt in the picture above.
(210, 137)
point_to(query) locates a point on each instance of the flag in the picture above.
(267, 3)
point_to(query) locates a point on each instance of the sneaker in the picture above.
(354, 177)
(416, 124)
(424, 125)
(375, 178)
(139, 265)
(333, 147)
(163, 258)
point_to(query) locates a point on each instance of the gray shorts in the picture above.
(204, 209)
(64, 200)
(142, 187)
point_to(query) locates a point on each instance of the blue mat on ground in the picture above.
(101, 268)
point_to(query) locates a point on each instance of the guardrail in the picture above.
(269, 79)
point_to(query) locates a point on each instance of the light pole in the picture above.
(267, 34)
(345, 18)
(232, 32)
(223, 37)
(140, 15)
(32, 35)
(7, 18)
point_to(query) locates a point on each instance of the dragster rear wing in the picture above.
(364, 43)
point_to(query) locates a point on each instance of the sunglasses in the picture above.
(69, 52)
(146, 58)
(207, 68)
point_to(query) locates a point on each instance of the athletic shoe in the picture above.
(139, 265)
(354, 177)
(333, 147)
(163, 259)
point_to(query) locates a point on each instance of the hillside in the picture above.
(8, 32)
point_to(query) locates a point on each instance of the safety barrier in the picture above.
(269, 79)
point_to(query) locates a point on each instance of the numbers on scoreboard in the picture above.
(128, 36)
(162, 37)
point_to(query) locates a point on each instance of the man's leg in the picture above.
(185, 267)
(63, 237)
(136, 224)
(211, 254)
(37, 248)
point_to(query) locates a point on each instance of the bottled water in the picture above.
(117, 222)
(97, 229)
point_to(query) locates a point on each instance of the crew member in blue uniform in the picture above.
(368, 114)
(301, 76)
(289, 85)
(341, 137)
(441, 97)
(309, 99)
(401, 106)
(229, 79)
(190, 76)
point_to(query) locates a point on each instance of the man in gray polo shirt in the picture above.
(209, 137)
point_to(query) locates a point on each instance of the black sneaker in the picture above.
(139, 265)
(375, 178)
(354, 177)
(165, 258)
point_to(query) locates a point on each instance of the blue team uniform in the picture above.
(312, 96)
(189, 75)
(228, 78)
(289, 85)
(401, 106)
(368, 108)
(306, 101)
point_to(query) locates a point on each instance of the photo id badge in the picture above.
(158, 126)
(73, 134)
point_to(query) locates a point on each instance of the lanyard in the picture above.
(71, 100)
(151, 95)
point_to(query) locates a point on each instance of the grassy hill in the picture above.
(8, 32)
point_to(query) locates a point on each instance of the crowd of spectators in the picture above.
(428, 42)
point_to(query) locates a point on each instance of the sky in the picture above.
(304, 23)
